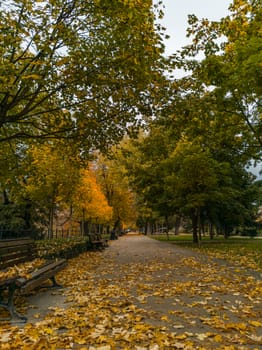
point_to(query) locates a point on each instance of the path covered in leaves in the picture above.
(143, 294)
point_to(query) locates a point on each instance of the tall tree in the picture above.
(90, 205)
(112, 176)
(47, 179)
(75, 70)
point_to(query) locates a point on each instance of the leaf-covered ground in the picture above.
(144, 294)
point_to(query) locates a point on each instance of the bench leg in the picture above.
(53, 285)
(9, 306)
(54, 281)
(98, 246)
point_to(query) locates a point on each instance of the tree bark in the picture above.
(194, 218)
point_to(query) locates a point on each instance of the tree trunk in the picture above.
(226, 232)
(194, 218)
(5, 198)
(27, 214)
(177, 225)
(70, 219)
(51, 221)
(199, 225)
(211, 231)
(146, 228)
(83, 223)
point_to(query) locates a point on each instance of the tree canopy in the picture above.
(194, 158)
(75, 69)
(231, 71)
(78, 76)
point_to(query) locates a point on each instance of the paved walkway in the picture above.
(199, 300)
(187, 275)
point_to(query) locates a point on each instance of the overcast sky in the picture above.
(175, 19)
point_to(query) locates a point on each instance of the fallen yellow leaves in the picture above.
(146, 306)
(21, 270)
(255, 323)
(244, 258)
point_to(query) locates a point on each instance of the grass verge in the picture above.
(243, 251)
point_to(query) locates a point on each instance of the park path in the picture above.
(143, 294)
(183, 290)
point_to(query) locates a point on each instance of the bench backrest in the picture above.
(15, 251)
(93, 236)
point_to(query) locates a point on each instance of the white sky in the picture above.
(175, 20)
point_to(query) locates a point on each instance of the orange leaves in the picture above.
(90, 198)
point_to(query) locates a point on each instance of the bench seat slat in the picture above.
(36, 282)
(16, 242)
(50, 266)
(9, 263)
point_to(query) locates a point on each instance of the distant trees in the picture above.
(51, 188)
(112, 177)
(89, 203)
(194, 158)
(188, 181)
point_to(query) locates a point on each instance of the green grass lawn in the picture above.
(244, 251)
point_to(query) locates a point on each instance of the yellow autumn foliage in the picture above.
(89, 199)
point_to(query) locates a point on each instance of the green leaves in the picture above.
(75, 56)
(232, 66)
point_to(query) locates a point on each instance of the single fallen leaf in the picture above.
(255, 323)
(164, 318)
(201, 336)
(178, 326)
(218, 338)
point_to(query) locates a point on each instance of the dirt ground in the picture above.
(199, 300)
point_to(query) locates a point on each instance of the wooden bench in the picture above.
(17, 251)
(96, 241)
